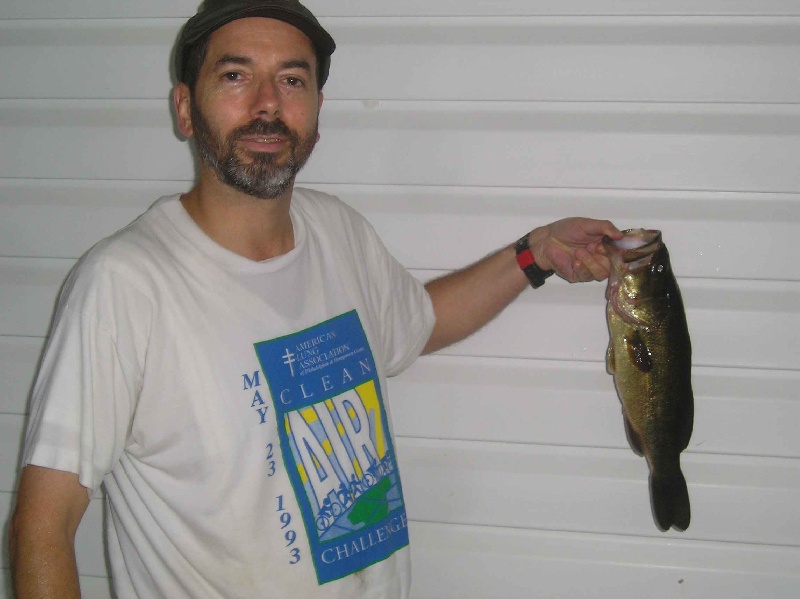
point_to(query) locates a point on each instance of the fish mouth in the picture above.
(635, 248)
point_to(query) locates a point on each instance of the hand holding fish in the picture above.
(573, 248)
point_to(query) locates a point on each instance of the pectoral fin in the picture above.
(634, 440)
(610, 366)
(639, 353)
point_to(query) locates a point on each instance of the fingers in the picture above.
(581, 266)
(578, 231)
(582, 271)
(590, 266)
(600, 228)
(573, 248)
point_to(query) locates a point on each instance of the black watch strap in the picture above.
(526, 262)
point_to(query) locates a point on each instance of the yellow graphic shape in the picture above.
(300, 468)
(326, 445)
(302, 471)
(357, 468)
(369, 399)
(309, 415)
(339, 426)
(315, 459)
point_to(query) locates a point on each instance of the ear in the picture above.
(182, 101)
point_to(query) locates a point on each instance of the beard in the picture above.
(263, 176)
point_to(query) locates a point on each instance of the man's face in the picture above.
(254, 111)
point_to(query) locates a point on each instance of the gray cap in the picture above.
(213, 14)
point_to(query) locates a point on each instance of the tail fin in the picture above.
(669, 497)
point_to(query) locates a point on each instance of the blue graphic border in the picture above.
(304, 370)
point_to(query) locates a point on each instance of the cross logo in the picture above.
(288, 359)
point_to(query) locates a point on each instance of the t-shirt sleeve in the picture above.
(405, 310)
(84, 395)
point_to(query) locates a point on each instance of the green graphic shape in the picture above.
(372, 507)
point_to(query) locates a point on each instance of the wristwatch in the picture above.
(528, 265)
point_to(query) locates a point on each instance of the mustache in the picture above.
(259, 127)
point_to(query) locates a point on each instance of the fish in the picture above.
(650, 357)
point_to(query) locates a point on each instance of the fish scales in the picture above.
(649, 355)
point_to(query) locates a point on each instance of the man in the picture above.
(220, 364)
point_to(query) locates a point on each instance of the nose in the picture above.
(267, 100)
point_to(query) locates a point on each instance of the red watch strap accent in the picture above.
(525, 258)
(527, 263)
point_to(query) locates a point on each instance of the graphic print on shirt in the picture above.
(336, 445)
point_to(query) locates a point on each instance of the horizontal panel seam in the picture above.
(632, 537)
(706, 193)
(779, 18)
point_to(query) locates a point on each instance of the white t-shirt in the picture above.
(235, 410)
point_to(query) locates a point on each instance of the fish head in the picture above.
(640, 272)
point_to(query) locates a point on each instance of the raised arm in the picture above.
(50, 506)
(466, 300)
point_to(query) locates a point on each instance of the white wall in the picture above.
(455, 127)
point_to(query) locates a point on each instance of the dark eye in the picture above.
(231, 76)
(294, 82)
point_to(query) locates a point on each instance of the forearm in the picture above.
(466, 300)
(43, 563)
(50, 506)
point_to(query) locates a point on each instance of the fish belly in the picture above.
(653, 382)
